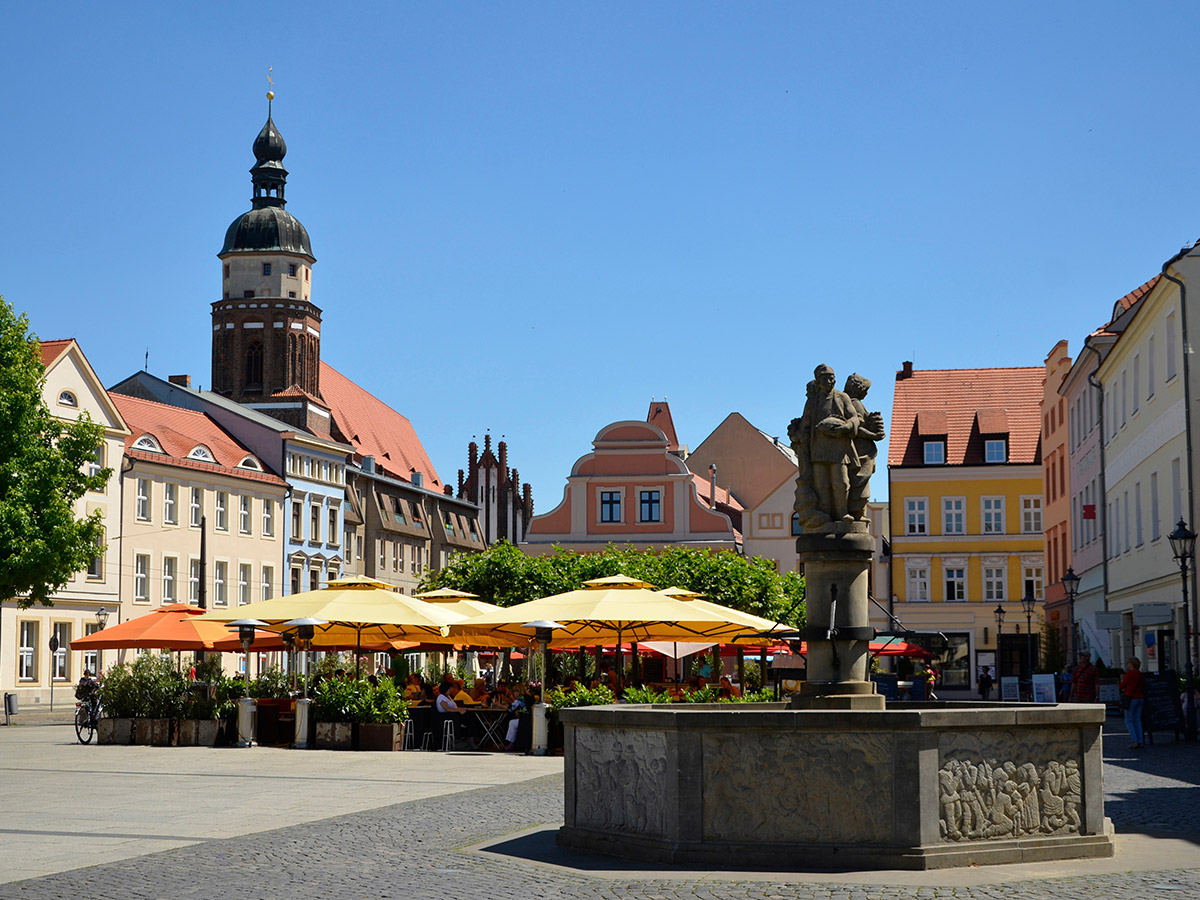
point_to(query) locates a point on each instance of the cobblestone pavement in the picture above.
(430, 848)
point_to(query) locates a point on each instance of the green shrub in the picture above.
(270, 684)
(357, 700)
(763, 696)
(117, 693)
(645, 695)
(384, 703)
(600, 695)
(706, 694)
(158, 689)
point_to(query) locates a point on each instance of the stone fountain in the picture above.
(839, 779)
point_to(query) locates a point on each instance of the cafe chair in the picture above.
(447, 735)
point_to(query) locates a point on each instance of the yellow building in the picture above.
(965, 491)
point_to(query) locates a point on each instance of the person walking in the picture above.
(1133, 698)
(985, 684)
(1085, 680)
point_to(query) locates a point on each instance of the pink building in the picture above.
(632, 489)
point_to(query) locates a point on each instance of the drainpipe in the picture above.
(1103, 504)
(1187, 431)
(712, 484)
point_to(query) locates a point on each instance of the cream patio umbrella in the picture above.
(462, 602)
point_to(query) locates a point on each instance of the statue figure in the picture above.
(824, 441)
(870, 433)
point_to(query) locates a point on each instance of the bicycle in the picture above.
(87, 711)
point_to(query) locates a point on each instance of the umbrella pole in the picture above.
(741, 668)
(599, 651)
(620, 660)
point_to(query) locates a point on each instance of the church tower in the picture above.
(266, 347)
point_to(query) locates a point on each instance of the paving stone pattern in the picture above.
(415, 850)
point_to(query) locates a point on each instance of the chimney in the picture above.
(906, 372)
(418, 480)
(368, 464)
(448, 491)
(461, 481)
(181, 380)
(712, 485)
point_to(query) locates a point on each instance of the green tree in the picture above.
(42, 473)
(505, 576)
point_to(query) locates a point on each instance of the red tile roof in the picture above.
(723, 496)
(1134, 296)
(970, 400)
(178, 431)
(52, 350)
(375, 429)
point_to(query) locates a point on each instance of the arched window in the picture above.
(293, 361)
(66, 398)
(254, 366)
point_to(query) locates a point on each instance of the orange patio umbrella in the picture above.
(172, 627)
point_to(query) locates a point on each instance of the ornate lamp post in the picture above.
(1029, 602)
(1183, 545)
(998, 612)
(1070, 583)
(101, 621)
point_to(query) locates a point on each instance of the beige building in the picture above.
(27, 667)
(187, 485)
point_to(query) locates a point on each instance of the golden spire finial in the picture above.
(271, 82)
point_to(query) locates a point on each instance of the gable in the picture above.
(69, 372)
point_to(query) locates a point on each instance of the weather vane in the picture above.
(270, 84)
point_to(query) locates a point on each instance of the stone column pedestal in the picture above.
(835, 581)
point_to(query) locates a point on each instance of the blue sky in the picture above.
(532, 218)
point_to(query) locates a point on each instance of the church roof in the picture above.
(271, 228)
(375, 429)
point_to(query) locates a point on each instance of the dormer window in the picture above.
(202, 453)
(250, 463)
(995, 450)
(935, 453)
(66, 398)
(147, 442)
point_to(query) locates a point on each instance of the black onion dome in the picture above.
(268, 228)
(269, 146)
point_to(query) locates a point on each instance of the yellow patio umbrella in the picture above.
(462, 602)
(751, 622)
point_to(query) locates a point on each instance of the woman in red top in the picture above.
(1133, 687)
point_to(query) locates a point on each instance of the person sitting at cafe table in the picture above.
(479, 691)
(727, 685)
(461, 697)
(414, 691)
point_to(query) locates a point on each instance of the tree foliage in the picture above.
(42, 473)
(506, 576)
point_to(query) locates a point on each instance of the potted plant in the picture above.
(383, 717)
(159, 695)
(272, 690)
(117, 707)
(335, 708)
(558, 699)
(199, 725)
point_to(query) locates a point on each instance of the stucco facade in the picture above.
(1056, 482)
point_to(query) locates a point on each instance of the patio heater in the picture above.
(1183, 545)
(305, 628)
(247, 707)
(1029, 602)
(1070, 583)
(289, 644)
(998, 612)
(543, 633)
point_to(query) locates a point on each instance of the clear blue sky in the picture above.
(533, 217)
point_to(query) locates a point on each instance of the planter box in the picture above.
(155, 732)
(381, 737)
(333, 735)
(114, 731)
(197, 732)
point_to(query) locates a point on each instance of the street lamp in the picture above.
(1070, 583)
(998, 612)
(1029, 602)
(1183, 545)
(101, 621)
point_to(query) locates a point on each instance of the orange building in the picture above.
(633, 490)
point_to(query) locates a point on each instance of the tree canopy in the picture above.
(42, 473)
(506, 576)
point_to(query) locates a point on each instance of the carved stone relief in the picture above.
(623, 786)
(826, 788)
(995, 786)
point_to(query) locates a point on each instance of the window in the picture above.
(1170, 346)
(397, 553)
(993, 515)
(1154, 532)
(95, 569)
(244, 514)
(247, 295)
(220, 577)
(332, 533)
(796, 530)
(348, 541)
(291, 295)
(1124, 395)
(243, 584)
(96, 463)
(141, 578)
(1150, 367)
(993, 584)
(295, 580)
(143, 500)
(314, 523)
(268, 582)
(193, 581)
(416, 514)
(296, 523)
(27, 664)
(91, 658)
(59, 670)
(1137, 512)
(66, 398)
(1137, 378)
(995, 451)
(397, 510)
(650, 506)
(1033, 582)
(1176, 493)
(170, 493)
(382, 554)
(197, 507)
(291, 269)
(953, 516)
(268, 526)
(401, 558)
(916, 515)
(314, 579)
(358, 546)
(918, 584)
(168, 579)
(935, 453)
(1127, 521)
(254, 365)
(308, 467)
(226, 270)
(956, 584)
(222, 511)
(610, 506)
(266, 268)
(1031, 515)
(448, 521)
